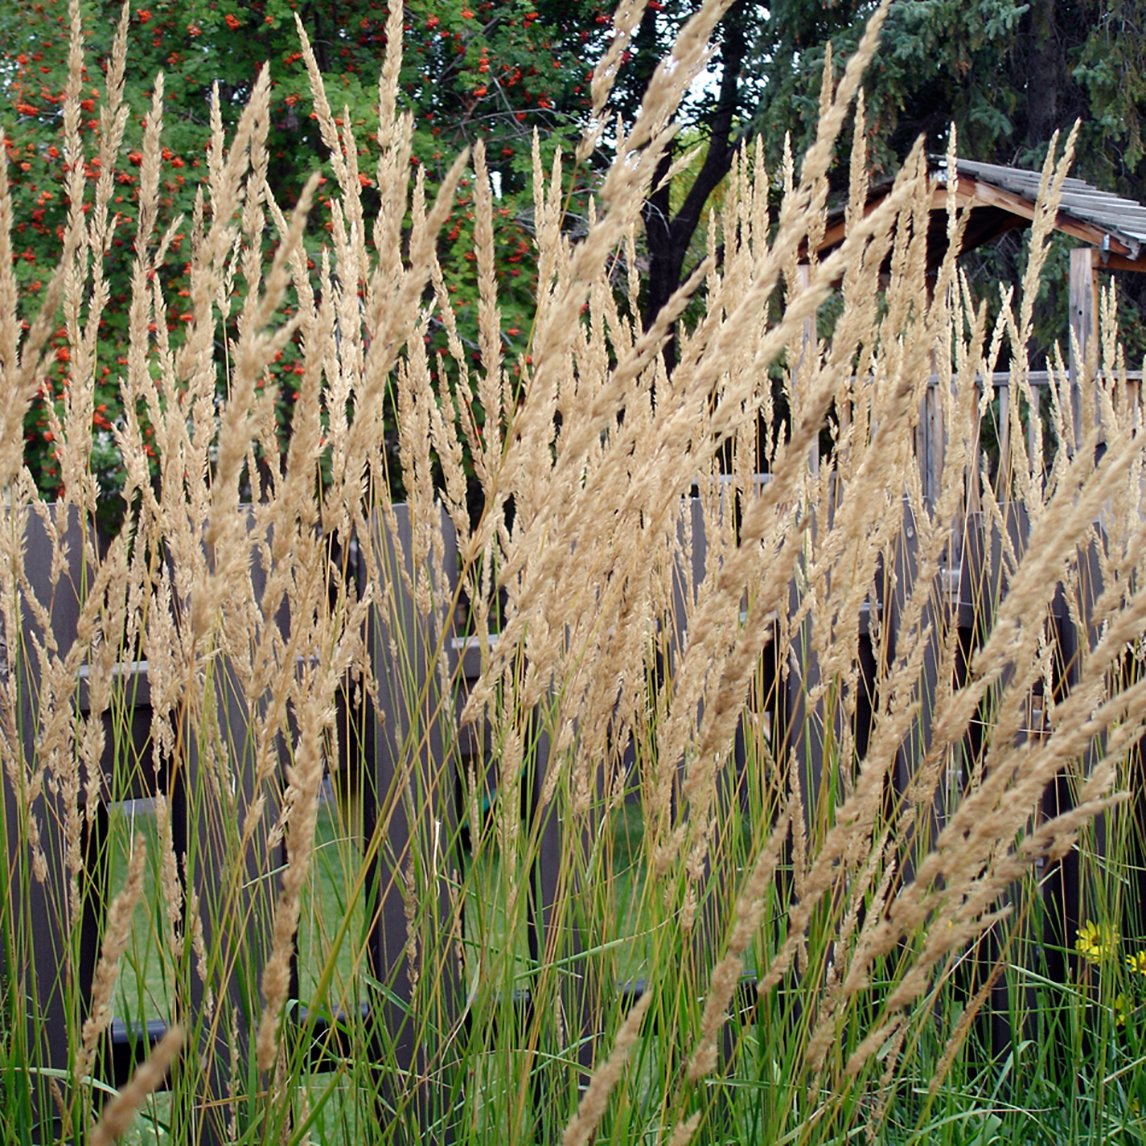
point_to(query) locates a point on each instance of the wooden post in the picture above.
(1003, 482)
(226, 810)
(410, 814)
(934, 434)
(39, 961)
(1083, 330)
(805, 363)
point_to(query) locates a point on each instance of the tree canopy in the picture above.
(1006, 74)
(499, 71)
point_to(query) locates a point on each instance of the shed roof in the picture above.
(1004, 198)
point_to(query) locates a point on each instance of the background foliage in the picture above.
(1007, 75)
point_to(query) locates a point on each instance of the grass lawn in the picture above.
(330, 938)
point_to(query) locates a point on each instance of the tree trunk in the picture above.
(1046, 74)
(668, 236)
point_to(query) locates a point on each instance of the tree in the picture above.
(1006, 74)
(501, 71)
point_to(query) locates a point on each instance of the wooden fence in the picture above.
(996, 425)
(400, 741)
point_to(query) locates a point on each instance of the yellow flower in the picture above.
(1137, 962)
(1096, 941)
(1121, 1009)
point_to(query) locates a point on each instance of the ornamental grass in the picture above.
(547, 747)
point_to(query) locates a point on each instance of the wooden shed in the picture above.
(1111, 235)
(1111, 230)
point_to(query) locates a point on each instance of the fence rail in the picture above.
(1006, 408)
(416, 763)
